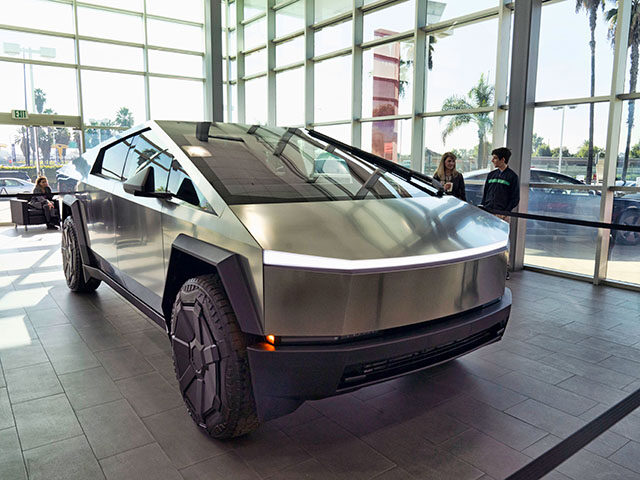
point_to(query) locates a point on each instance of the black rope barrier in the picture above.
(569, 221)
(27, 196)
(566, 448)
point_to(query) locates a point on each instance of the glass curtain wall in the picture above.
(405, 79)
(569, 147)
(110, 64)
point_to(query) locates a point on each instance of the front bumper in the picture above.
(286, 375)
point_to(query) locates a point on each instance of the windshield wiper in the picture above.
(386, 165)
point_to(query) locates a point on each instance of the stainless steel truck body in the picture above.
(284, 265)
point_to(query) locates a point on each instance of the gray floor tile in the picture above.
(541, 446)
(551, 395)
(593, 390)
(6, 414)
(485, 453)
(48, 317)
(31, 382)
(373, 391)
(585, 465)
(419, 457)
(113, 428)
(630, 353)
(45, 420)
(71, 358)
(268, 451)
(129, 323)
(230, 465)
(123, 363)
(183, 442)
(435, 426)
(339, 451)
(622, 365)
(58, 335)
(11, 462)
(532, 368)
(628, 427)
(581, 351)
(607, 444)
(398, 473)
(304, 414)
(142, 463)
(101, 338)
(151, 341)
(88, 388)
(70, 459)
(546, 418)
(523, 349)
(23, 356)
(628, 456)
(163, 364)
(149, 394)
(597, 373)
(504, 428)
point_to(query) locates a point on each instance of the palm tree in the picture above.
(634, 44)
(124, 117)
(39, 98)
(481, 95)
(591, 7)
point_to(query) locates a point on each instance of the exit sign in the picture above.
(19, 114)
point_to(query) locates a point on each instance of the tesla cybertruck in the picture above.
(284, 265)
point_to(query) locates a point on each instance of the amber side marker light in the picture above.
(271, 339)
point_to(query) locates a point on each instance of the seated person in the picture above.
(42, 199)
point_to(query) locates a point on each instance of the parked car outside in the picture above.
(11, 186)
(565, 203)
(19, 174)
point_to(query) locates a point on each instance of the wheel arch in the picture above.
(72, 207)
(190, 258)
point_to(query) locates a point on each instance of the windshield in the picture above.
(256, 164)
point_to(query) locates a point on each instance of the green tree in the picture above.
(556, 152)
(39, 98)
(635, 151)
(536, 142)
(124, 118)
(634, 46)
(591, 8)
(543, 151)
(481, 95)
(583, 151)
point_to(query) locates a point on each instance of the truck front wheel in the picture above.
(210, 359)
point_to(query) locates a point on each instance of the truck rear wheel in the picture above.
(71, 261)
(210, 359)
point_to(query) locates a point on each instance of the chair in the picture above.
(24, 214)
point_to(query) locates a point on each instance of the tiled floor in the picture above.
(87, 391)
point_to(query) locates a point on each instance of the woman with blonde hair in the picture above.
(42, 199)
(450, 178)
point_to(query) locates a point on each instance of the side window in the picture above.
(114, 158)
(183, 188)
(147, 152)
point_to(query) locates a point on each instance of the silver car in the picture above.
(12, 186)
(284, 265)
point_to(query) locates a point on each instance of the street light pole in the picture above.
(563, 107)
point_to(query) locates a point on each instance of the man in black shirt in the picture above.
(501, 189)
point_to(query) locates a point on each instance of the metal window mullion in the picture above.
(356, 74)
(463, 20)
(419, 86)
(145, 53)
(502, 75)
(271, 63)
(445, 113)
(309, 49)
(240, 83)
(76, 45)
(213, 61)
(37, 31)
(228, 85)
(613, 137)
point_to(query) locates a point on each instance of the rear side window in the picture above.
(184, 189)
(114, 158)
(147, 152)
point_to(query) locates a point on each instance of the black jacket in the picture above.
(458, 189)
(501, 190)
(41, 197)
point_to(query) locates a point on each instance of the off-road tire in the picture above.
(210, 359)
(71, 261)
(631, 216)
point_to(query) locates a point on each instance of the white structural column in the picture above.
(613, 136)
(213, 61)
(522, 92)
(356, 74)
(419, 86)
(271, 64)
(147, 88)
(76, 46)
(309, 15)
(502, 75)
(240, 59)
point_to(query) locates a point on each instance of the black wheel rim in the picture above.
(67, 255)
(197, 360)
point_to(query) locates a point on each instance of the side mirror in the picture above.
(142, 184)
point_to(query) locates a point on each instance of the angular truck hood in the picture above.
(368, 235)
